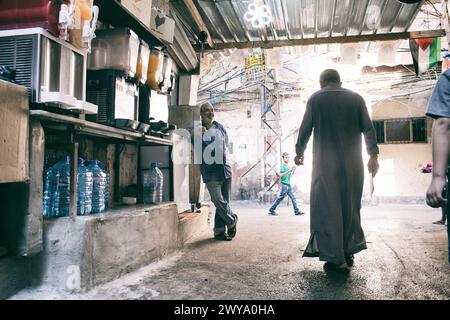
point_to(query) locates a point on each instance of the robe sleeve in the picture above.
(366, 125)
(305, 130)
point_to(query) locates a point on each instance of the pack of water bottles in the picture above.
(92, 190)
(153, 185)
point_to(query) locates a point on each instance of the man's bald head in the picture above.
(330, 76)
(207, 114)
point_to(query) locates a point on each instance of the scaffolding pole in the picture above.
(270, 121)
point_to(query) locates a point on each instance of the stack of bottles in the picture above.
(92, 191)
(153, 185)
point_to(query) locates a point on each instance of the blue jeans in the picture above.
(286, 189)
(220, 196)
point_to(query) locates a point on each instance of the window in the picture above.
(401, 130)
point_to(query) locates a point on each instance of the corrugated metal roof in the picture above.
(298, 19)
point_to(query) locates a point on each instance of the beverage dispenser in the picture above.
(116, 96)
(116, 49)
(15, 14)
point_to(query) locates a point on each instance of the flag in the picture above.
(425, 53)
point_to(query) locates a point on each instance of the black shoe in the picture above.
(223, 237)
(299, 213)
(273, 213)
(350, 259)
(232, 231)
(439, 222)
(331, 267)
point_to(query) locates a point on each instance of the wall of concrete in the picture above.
(103, 247)
(15, 274)
(193, 224)
(399, 175)
(246, 138)
(246, 135)
(402, 107)
(399, 178)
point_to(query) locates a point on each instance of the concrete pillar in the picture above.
(187, 89)
(32, 239)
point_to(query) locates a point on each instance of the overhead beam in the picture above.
(198, 20)
(328, 40)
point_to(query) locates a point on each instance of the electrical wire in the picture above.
(438, 13)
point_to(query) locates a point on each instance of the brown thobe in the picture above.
(338, 117)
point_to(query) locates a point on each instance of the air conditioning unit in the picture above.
(53, 70)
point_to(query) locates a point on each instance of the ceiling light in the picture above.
(259, 16)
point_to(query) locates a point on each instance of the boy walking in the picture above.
(286, 189)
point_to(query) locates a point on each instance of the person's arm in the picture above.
(441, 150)
(370, 138)
(282, 174)
(196, 130)
(304, 134)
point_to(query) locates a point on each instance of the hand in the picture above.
(299, 160)
(292, 169)
(373, 165)
(434, 193)
(198, 130)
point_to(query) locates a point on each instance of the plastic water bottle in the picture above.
(153, 185)
(84, 190)
(98, 187)
(62, 198)
(57, 189)
(107, 191)
(50, 186)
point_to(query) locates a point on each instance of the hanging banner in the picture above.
(387, 51)
(255, 67)
(349, 53)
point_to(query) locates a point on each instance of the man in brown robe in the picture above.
(338, 117)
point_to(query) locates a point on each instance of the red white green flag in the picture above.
(425, 52)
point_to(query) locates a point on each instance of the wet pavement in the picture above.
(406, 259)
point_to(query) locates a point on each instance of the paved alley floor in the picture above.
(406, 259)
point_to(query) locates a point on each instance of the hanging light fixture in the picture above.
(258, 15)
(373, 17)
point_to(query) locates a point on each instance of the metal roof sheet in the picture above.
(298, 19)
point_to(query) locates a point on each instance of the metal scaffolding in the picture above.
(270, 121)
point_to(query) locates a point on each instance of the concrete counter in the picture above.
(99, 248)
